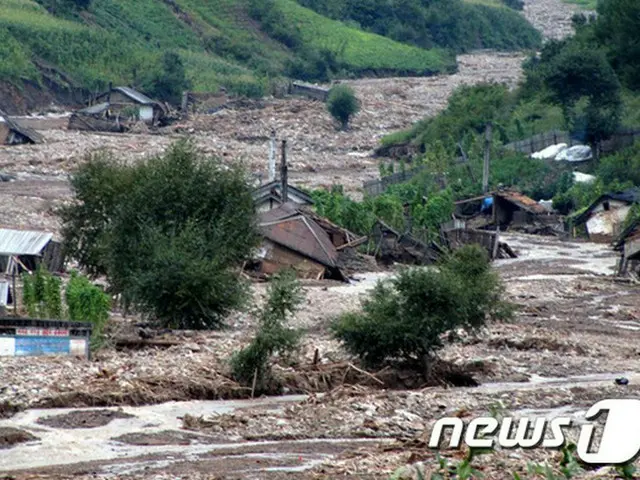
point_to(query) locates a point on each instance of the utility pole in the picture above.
(487, 153)
(272, 157)
(284, 174)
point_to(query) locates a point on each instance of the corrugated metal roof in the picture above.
(4, 294)
(95, 109)
(23, 242)
(135, 95)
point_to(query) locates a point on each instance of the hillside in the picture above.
(218, 41)
(238, 44)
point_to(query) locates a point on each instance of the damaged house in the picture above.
(508, 209)
(22, 250)
(628, 244)
(12, 133)
(603, 220)
(116, 109)
(296, 238)
(270, 195)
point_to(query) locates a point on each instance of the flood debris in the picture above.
(13, 133)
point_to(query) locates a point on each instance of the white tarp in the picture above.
(550, 152)
(577, 153)
(547, 204)
(583, 177)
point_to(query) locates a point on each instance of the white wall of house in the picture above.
(146, 113)
(608, 223)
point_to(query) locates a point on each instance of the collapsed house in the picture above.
(12, 133)
(116, 110)
(292, 238)
(603, 220)
(392, 246)
(508, 210)
(628, 244)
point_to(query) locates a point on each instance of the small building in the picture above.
(127, 103)
(628, 244)
(511, 208)
(292, 239)
(12, 133)
(393, 246)
(604, 218)
(269, 196)
(22, 250)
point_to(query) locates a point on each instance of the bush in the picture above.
(168, 233)
(342, 104)
(88, 303)
(41, 294)
(284, 297)
(406, 318)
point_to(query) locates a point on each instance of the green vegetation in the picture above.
(217, 41)
(342, 104)
(405, 318)
(87, 302)
(451, 24)
(41, 294)
(83, 301)
(251, 365)
(168, 233)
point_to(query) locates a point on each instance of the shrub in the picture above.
(284, 297)
(88, 303)
(342, 104)
(42, 294)
(406, 318)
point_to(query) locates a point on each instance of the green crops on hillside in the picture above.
(220, 45)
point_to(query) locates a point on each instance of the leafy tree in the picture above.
(342, 104)
(617, 28)
(168, 235)
(406, 317)
(169, 80)
(284, 296)
(583, 83)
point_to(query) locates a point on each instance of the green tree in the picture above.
(406, 317)
(342, 104)
(170, 242)
(284, 296)
(617, 28)
(169, 80)
(584, 84)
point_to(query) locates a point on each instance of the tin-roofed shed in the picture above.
(29, 248)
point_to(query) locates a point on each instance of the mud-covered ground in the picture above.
(575, 332)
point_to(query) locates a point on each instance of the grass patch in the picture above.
(586, 4)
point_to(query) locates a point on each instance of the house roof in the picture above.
(288, 227)
(135, 95)
(522, 201)
(95, 109)
(29, 133)
(23, 242)
(274, 190)
(629, 196)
